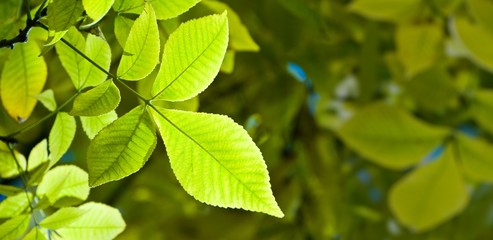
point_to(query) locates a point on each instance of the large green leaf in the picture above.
(13, 228)
(8, 166)
(62, 14)
(482, 109)
(122, 148)
(15, 205)
(240, 39)
(61, 136)
(100, 222)
(389, 10)
(429, 195)
(23, 77)
(418, 46)
(122, 28)
(62, 218)
(97, 9)
(166, 9)
(482, 11)
(64, 186)
(475, 155)
(390, 136)
(92, 125)
(216, 161)
(97, 101)
(141, 48)
(192, 58)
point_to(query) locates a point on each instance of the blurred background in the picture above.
(318, 64)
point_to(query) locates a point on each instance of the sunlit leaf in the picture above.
(482, 109)
(61, 136)
(482, 11)
(23, 77)
(62, 14)
(228, 64)
(192, 58)
(64, 186)
(122, 148)
(216, 161)
(122, 28)
(97, 101)
(62, 218)
(47, 98)
(240, 39)
(92, 125)
(191, 104)
(97, 9)
(475, 155)
(388, 10)
(38, 155)
(169, 9)
(36, 234)
(141, 48)
(390, 136)
(13, 228)
(15, 205)
(98, 50)
(126, 6)
(73, 63)
(430, 195)
(9, 190)
(8, 166)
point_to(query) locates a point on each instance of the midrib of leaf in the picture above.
(200, 55)
(120, 154)
(141, 49)
(210, 154)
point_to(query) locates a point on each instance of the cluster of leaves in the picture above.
(213, 158)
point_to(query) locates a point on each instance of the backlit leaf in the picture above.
(62, 14)
(141, 48)
(216, 161)
(97, 9)
(129, 6)
(100, 222)
(122, 28)
(166, 9)
(13, 228)
(36, 234)
(64, 186)
(47, 98)
(97, 101)
(8, 166)
(98, 50)
(38, 155)
(390, 136)
(192, 58)
(15, 205)
(8, 190)
(61, 136)
(388, 10)
(122, 148)
(476, 158)
(73, 63)
(482, 109)
(429, 195)
(482, 11)
(23, 77)
(92, 125)
(62, 218)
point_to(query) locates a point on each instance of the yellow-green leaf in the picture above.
(97, 9)
(38, 155)
(129, 6)
(8, 166)
(92, 125)
(475, 156)
(64, 186)
(47, 98)
(97, 101)
(122, 28)
(62, 14)
(13, 228)
(23, 78)
(61, 136)
(62, 218)
(36, 234)
(98, 50)
(15, 205)
(387, 10)
(482, 10)
(166, 9)
(482, 109)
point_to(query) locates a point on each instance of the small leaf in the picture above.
(61, 136)
(62, 218)
(476, 158)
(390, 137)
(38, 155)
(122, 28)
(62, 14)
(23, 77)
(47, 98)
(482, 109)
(73, 63)
(64, 186)
(9, 190)
(170, 9)
(430, 195)
(228, 64)
(143, 45)
(14, 228)
(97, 101)
(192, 58)
(36, 234)
(8, 166)
(126, 6)
(122, 148)
(92, 125)
(216, 161)
(98, 50)
(100, 222)
(97, 9)
(387, 10)
(15, 205)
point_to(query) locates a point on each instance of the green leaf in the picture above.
(142, 47)
(15, 205)
(36, 234)
(62, 14)
(216, 161)
(476, 158)
(38, 155)
(97, 101)
(13, 228)
(387, 10)
(122, 148)
(62, 218)
(9, 190)
(47, 98)
(122, 28)
(129, 6)
(418, 46)
(228, 64)
(73, 63)
(61, 136)
(430, 195)
(390, 137)
(240, 39)
(482, 11)
(64, 186)
(23, 77)
(192, 58)
(98, 50)
(191, 105)
(8, 166)
(97, 9)
(474, 37)
(482, 109)
(170, 9)
(92, 125)
(100, 222)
